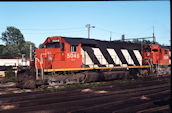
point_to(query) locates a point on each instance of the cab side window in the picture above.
(147, 49)
(166, 52)
(57, 45)
(73, 48)
(63, 47)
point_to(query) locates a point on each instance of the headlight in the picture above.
(50, 58)
(147, 54)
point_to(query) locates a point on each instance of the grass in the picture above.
(90, 85)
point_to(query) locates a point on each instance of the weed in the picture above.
(89, 85)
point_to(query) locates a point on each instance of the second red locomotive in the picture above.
(156, 54)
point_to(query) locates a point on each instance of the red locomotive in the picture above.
(156, 54)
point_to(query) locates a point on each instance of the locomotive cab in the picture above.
(156, 54)
(58, 54)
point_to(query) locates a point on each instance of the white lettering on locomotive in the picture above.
(165, 57)
(73, 55)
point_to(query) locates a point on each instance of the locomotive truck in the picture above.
(69, 60)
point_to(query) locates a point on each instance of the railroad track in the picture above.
(150, 96)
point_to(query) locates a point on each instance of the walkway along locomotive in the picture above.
(67, 60)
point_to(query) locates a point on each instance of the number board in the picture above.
(55, 40)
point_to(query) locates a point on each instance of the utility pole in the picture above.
(170, 42)
(123, 37)
(89, 26)
(110, 36)
(31, 52)
(153, 35)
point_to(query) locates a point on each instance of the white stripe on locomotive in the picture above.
(138, 56)
(114, 56)
(100, 57)
(127, 56)
(86, 60)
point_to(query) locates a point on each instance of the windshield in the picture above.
(52, 45)
(147, 49)
(155, 50)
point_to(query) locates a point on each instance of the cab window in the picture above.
(63, 47)
(52, 45)
(147, 49)
(73, 48)
(166, 52)
(49, 45)
(57, 45)
(155, 50)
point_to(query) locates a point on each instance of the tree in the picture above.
(15, 44)
(1, 49)
(12, 36)
(11, 51)
(40, 46)
(25, 48)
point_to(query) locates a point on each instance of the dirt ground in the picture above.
(10, 88)
(133, 97)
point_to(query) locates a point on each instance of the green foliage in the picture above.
(1, 49)
(91, 85)
(40, 46)
(25, 48)
(12, 36)
(15, 44)
(53, 89)
(11, 51)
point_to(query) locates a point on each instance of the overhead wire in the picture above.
(50, 29)
(56, 32)
(108, 30)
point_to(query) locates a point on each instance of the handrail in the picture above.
(36, 59)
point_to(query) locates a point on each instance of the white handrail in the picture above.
(36, 59)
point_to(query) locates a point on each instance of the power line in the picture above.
(56, 32)
(144, 31)
(74, 31)
(50, 29)
(42, 29)
(108, 30)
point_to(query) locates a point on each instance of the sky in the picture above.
(134, 19)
